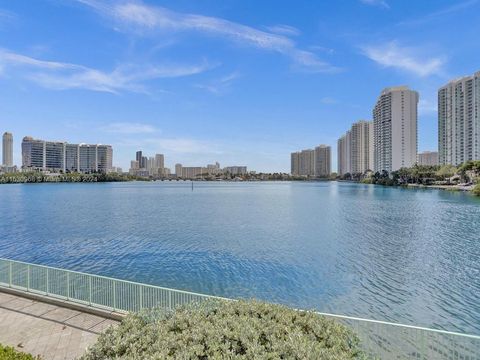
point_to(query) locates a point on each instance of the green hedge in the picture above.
(476, 190)
(227, 330)
(9, 353)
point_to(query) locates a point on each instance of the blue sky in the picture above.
(239, 82)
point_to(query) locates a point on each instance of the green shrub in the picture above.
(9, 353)
(476, 190)
(226, 330)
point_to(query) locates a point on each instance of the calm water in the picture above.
(410, 256)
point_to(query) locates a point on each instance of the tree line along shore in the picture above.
(449, 177)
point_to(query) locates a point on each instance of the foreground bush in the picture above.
(476, 190)
(226, 330)
(9, 353)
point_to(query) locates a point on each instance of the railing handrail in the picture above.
(344, 317)
(119, 280)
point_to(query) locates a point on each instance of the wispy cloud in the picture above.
(61, 75)
(284, 30)
(404, 58)
(221, 85)
(144, 19)
(327, 100)
(441, 13)
(172, 145)
(6, 16)
(379, 3)
(129, 128)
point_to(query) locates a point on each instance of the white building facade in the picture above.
(61, 156)
(7, 150)
(459, 120)
(395, 129)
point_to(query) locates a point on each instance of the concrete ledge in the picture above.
(118, 316)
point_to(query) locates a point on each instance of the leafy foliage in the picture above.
(226, 330)
(9, 353)
(38, 177)
(476, 190)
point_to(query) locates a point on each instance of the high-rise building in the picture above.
(304, 162)
(459, 120)
(104, 158)
(152, 170)
(395, 129)
(342, 155)
(178, 170)
(33, 153)
(323, 156)
(160, 164)
(139, 158)
(7, 149)
(62, 156)
(355, 149)
(427, 158)
(295, 163)
(307, 162)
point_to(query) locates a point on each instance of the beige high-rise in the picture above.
(355, 149)
(459, 120)
(395, 129)
(7, 149)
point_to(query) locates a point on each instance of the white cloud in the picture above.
(60, 76)
(221, 85)
(129, 128)
(284, 30)
(327, 100)
(140, 18)
(440, 13)
(408, 59)
(380, 3)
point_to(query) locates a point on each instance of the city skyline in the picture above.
(276, 82)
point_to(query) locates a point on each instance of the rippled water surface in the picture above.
(410, 256)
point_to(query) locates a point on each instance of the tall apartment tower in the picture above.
(323, 156)
(311, 162)
(395, 129)
(341, 156)
(355, 149)
(361, 147)
(307, 162)
(178, 170)
(459, 120)
(295, 163)
(142, 160)
(160, 164)
(7, 149)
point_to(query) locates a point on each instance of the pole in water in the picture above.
(192, 185)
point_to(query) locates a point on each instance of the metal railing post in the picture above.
(28, 277)
(46, 290)
(169, 300)
(114, 296)
(141, 297)
(68, 286)
(90, 290)
(10, 275)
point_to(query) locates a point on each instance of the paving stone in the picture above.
(61, 314)
(50, 331)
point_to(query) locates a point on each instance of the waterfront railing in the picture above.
(380, 339)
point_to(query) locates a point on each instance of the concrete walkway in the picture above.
(51, 331)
